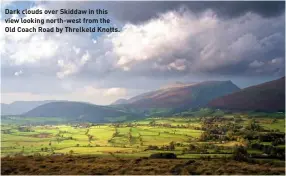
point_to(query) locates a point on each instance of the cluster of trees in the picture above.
(117, 125)
(215, 129)
(60, 136)
(46, 149)
(163, 155)
(140, 139)
(84, 125)
(271, 151)
(8, 131)
(89, 136)
(25, 129)
(278, 141)
(170, 147)
(116, 133)
(275, 137)
(203, 149)
(270, 137)
(131, 125)
(240, 154)
(129, 135)
(167, 125)
(254, 126)
(219, 129)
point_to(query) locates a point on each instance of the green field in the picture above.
(187, 135)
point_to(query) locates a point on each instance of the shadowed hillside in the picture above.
(269, 96)
(78, 111)
(20, 107)
(189, 95)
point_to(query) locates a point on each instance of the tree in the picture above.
(115, 133)
(205, 136)
(129, 137)
(152, 123)
(86, 131)
(253, 126)
(153, 147)
(172, 146)
(230, 135)
(46, 149)
(90, 137)
(71, 152)
(274, 121)
(192, 147)
(52, 150)
(240, 154)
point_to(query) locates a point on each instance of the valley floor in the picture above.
(203, 144)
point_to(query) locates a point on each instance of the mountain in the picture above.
(120, 101)
(20, 107)
(187, 96)
(79, 111)
(269, 96)
(175, 84)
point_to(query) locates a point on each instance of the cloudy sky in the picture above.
(159, 43)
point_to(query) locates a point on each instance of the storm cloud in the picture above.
(159, 43)
(142, 11)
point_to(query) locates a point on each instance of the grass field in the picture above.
(130, 139)
(76, 139)
(202, 145)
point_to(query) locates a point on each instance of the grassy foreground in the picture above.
(90, 165)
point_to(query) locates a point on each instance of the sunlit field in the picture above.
(183, 136)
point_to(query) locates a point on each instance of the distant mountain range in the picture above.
(20, 107)
(269, 96)
(80, 111)
(182, 95)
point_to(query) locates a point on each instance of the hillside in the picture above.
(20, 107)
(269, 96)
(119, 101)
(79, 111)
(189, 95)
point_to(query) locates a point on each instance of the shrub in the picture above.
(163, 155)
(153, 147)
(240, 154)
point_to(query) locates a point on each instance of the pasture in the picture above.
(128, 139)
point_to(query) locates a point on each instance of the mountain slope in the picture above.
(119, 101)
(78, 111)
(269, 96)
(189, 95)
(20, 107)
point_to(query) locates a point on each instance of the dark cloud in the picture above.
(141, 11)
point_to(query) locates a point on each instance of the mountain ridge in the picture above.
(190, 95)
(20, 107)
(268, 96)
(77, 111)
